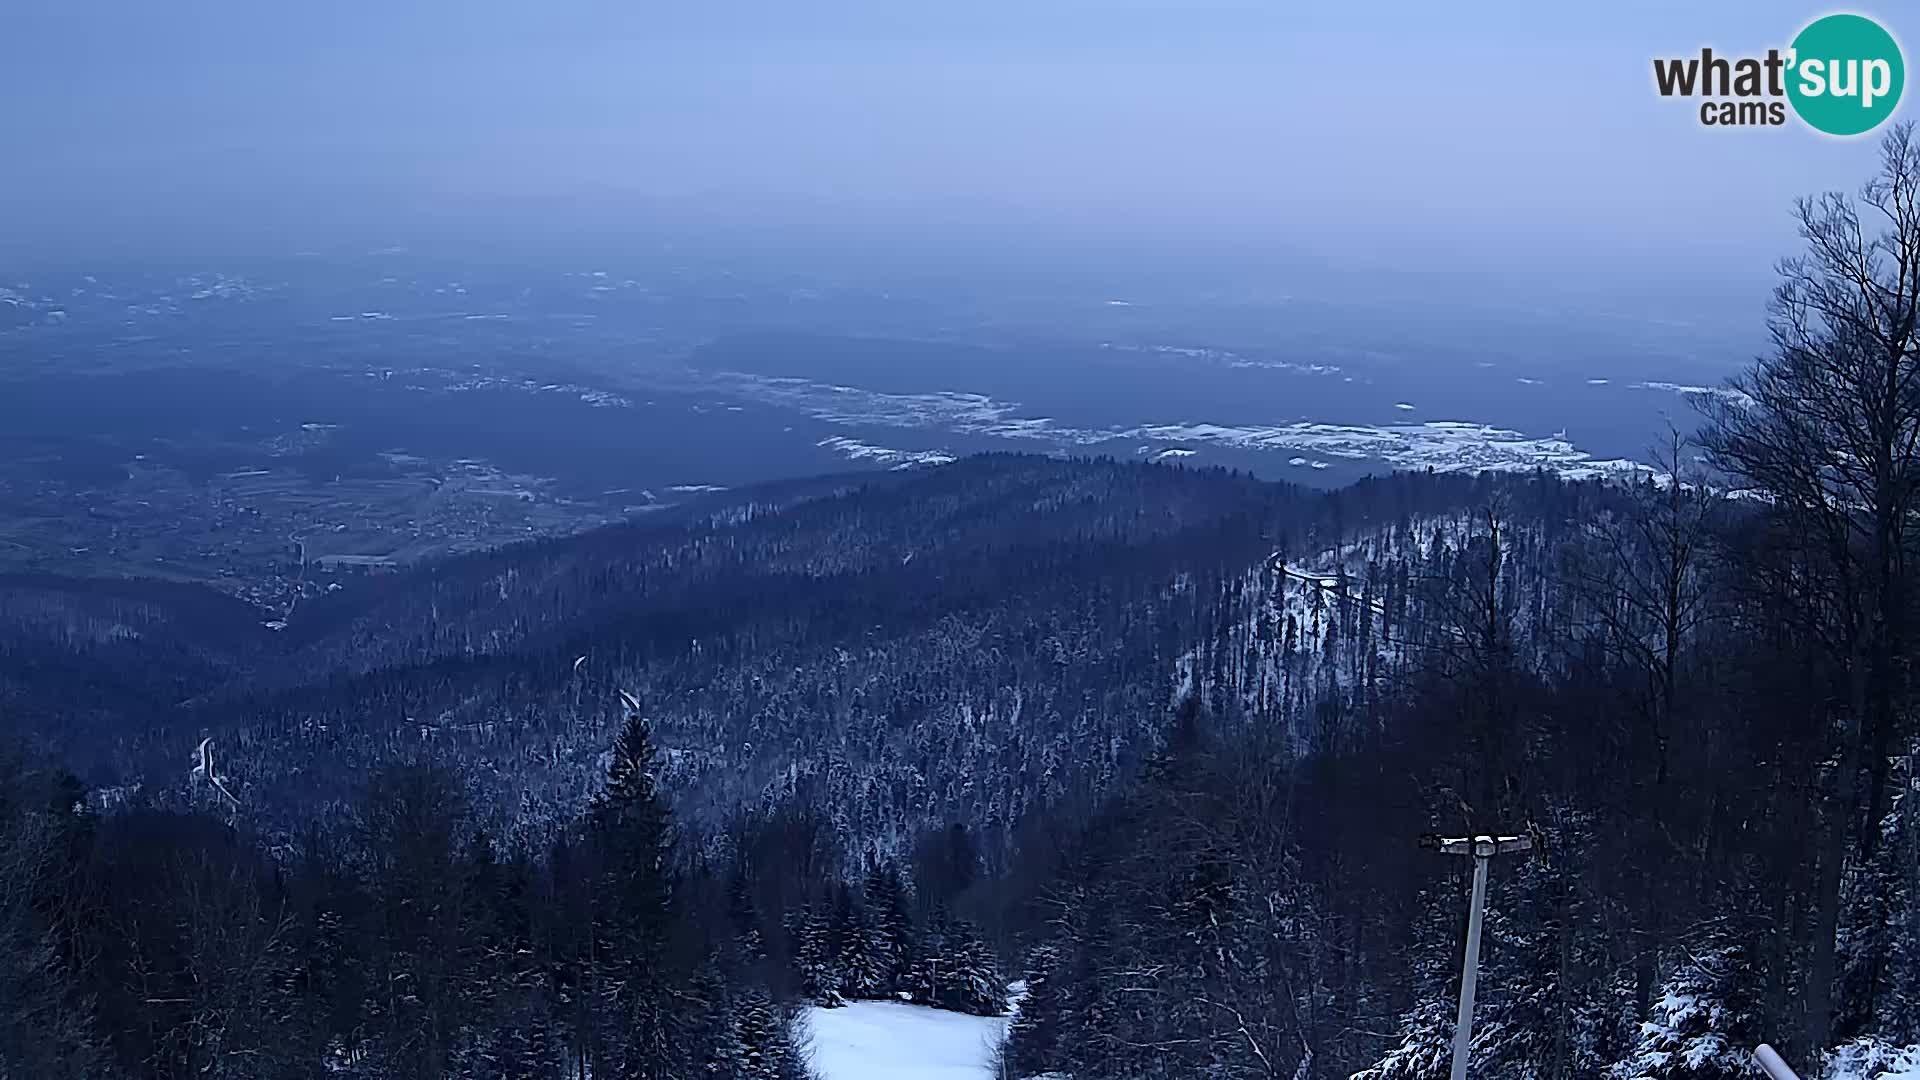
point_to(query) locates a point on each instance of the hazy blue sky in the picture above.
(1406, 134)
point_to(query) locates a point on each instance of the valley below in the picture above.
(280, 428)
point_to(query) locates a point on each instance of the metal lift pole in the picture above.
(1482, 849)
(1470, 970)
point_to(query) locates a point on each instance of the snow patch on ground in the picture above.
(1443, 445)
(855, 450)
(891, 1040)
(1737, 397)
(1871, 1059)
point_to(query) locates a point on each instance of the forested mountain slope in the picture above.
(962, 643)
(1118, 718)
(1188, 725)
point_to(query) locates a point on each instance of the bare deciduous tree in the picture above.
(1826, 429)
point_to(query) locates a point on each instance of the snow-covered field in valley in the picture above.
(890, 1040)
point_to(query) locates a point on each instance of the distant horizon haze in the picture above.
(1514, 143)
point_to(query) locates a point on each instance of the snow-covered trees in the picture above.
(421, 952)
(866, 958)
(889, 913)
(753, 1036)
(867, 944)
(1246, 902)
(1033, 1039)
(816, 965)
(1178, 943)
(1422, 1046)
(1424, 1050)
(1698, 1028)
(958, 971)
(633, 915)
(411, 947)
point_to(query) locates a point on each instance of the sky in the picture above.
(1413, 136)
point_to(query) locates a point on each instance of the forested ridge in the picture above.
(945, 645)
(1159, 742)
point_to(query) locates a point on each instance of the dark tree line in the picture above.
(891, 937)
(152, 943)
(410, 943)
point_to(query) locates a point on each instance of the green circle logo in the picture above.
(1845, 74)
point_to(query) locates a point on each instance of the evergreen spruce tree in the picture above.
(929, 967)
(1033, 1039)
(866, 964)
(760, 1033)
(1703, 1025)
(512, 1014)
(419, 976)
(1089, 942)
(813, 961)
(891, 911)
(972, 983)
(1425, 1047)
(716, 1025)
(750, 946)
(842, 935)
(632, 913)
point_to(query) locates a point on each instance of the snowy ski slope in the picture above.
(891, 1040)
